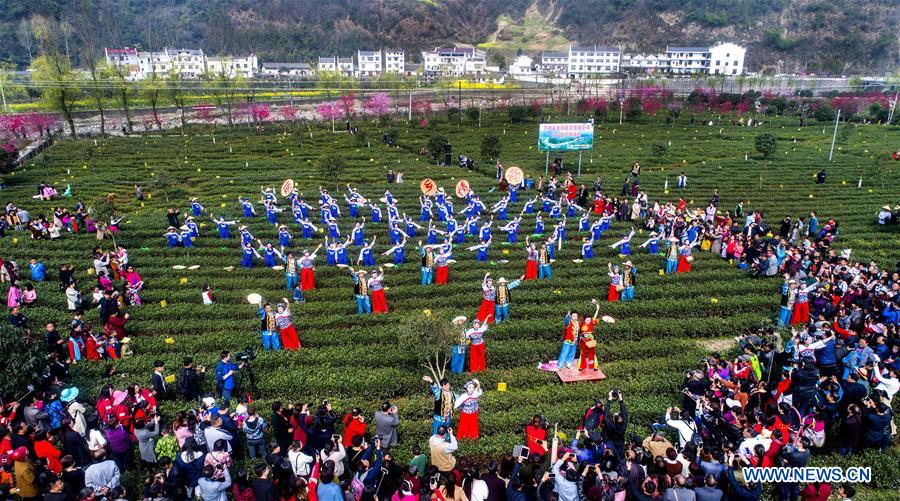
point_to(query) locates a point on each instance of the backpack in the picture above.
(181, 385)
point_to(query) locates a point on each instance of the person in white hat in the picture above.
(361, 291)
(628, 282)
(652, 244)
(185, 236)
(788, 295)
(284, 237)
(885, 215)
(672, 255)
(192, 226)
(196, 209)
(173, 239)
(501, 301)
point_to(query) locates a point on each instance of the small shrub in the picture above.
(766, 144)
(435, 148)
(491, 145)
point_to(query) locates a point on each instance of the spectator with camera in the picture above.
(386, 422)
(190, 380)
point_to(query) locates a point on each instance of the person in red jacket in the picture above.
(116, 324)
(354, 425)
(299, 419)
(44, 449)
(536, 435)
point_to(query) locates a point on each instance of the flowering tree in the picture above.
(328, 111)
(725, 107)
(536, 106)
(204, 112)
(41, 123)
(378, 104)
(421, 107)
(743, 107)
(651, 105)
(260, 112)
(289, 112)
(348, 105)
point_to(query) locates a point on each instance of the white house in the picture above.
(523, 65)
(188, 63)
(285, 70)
(646, 63)
(593, 60)
(394, 61)
(726, 59)
(555, 63)
(233, 67)
(342, 65)
(688, 60)
(368, 63)
(454, 61)
(125, 57)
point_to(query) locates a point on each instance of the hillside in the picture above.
(820, 36)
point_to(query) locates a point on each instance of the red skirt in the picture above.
(683, 265)
(289, 340)
(468, 425)
(486, 310)
(307, 279)
(800, 314)
(588, 358)
(476, 358)
(613, 295)
(531, 270)
(379, 303)
(441, 273)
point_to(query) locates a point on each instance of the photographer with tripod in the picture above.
(225, 380)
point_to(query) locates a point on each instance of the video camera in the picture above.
(245, 356)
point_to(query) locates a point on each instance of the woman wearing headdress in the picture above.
(286, 328)
(467, 403)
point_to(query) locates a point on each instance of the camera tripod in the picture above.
(253, 392)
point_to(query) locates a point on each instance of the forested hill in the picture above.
(822, 36)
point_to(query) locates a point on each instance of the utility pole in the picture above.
(890, 115)
(837, 120)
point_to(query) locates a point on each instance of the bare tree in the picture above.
(84, 18)
(26, 38)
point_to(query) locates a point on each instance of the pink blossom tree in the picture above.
(725, 107)
(328, 111)
(651, 105)
(348, 105)
(204, 112)
(379, 104)
(743, 107)
(260, 112)
(289, 112)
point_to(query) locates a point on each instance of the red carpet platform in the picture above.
(574, 375)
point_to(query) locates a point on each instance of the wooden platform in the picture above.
(575, 376)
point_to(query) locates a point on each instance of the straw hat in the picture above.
(628, 264)
(501, 280)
